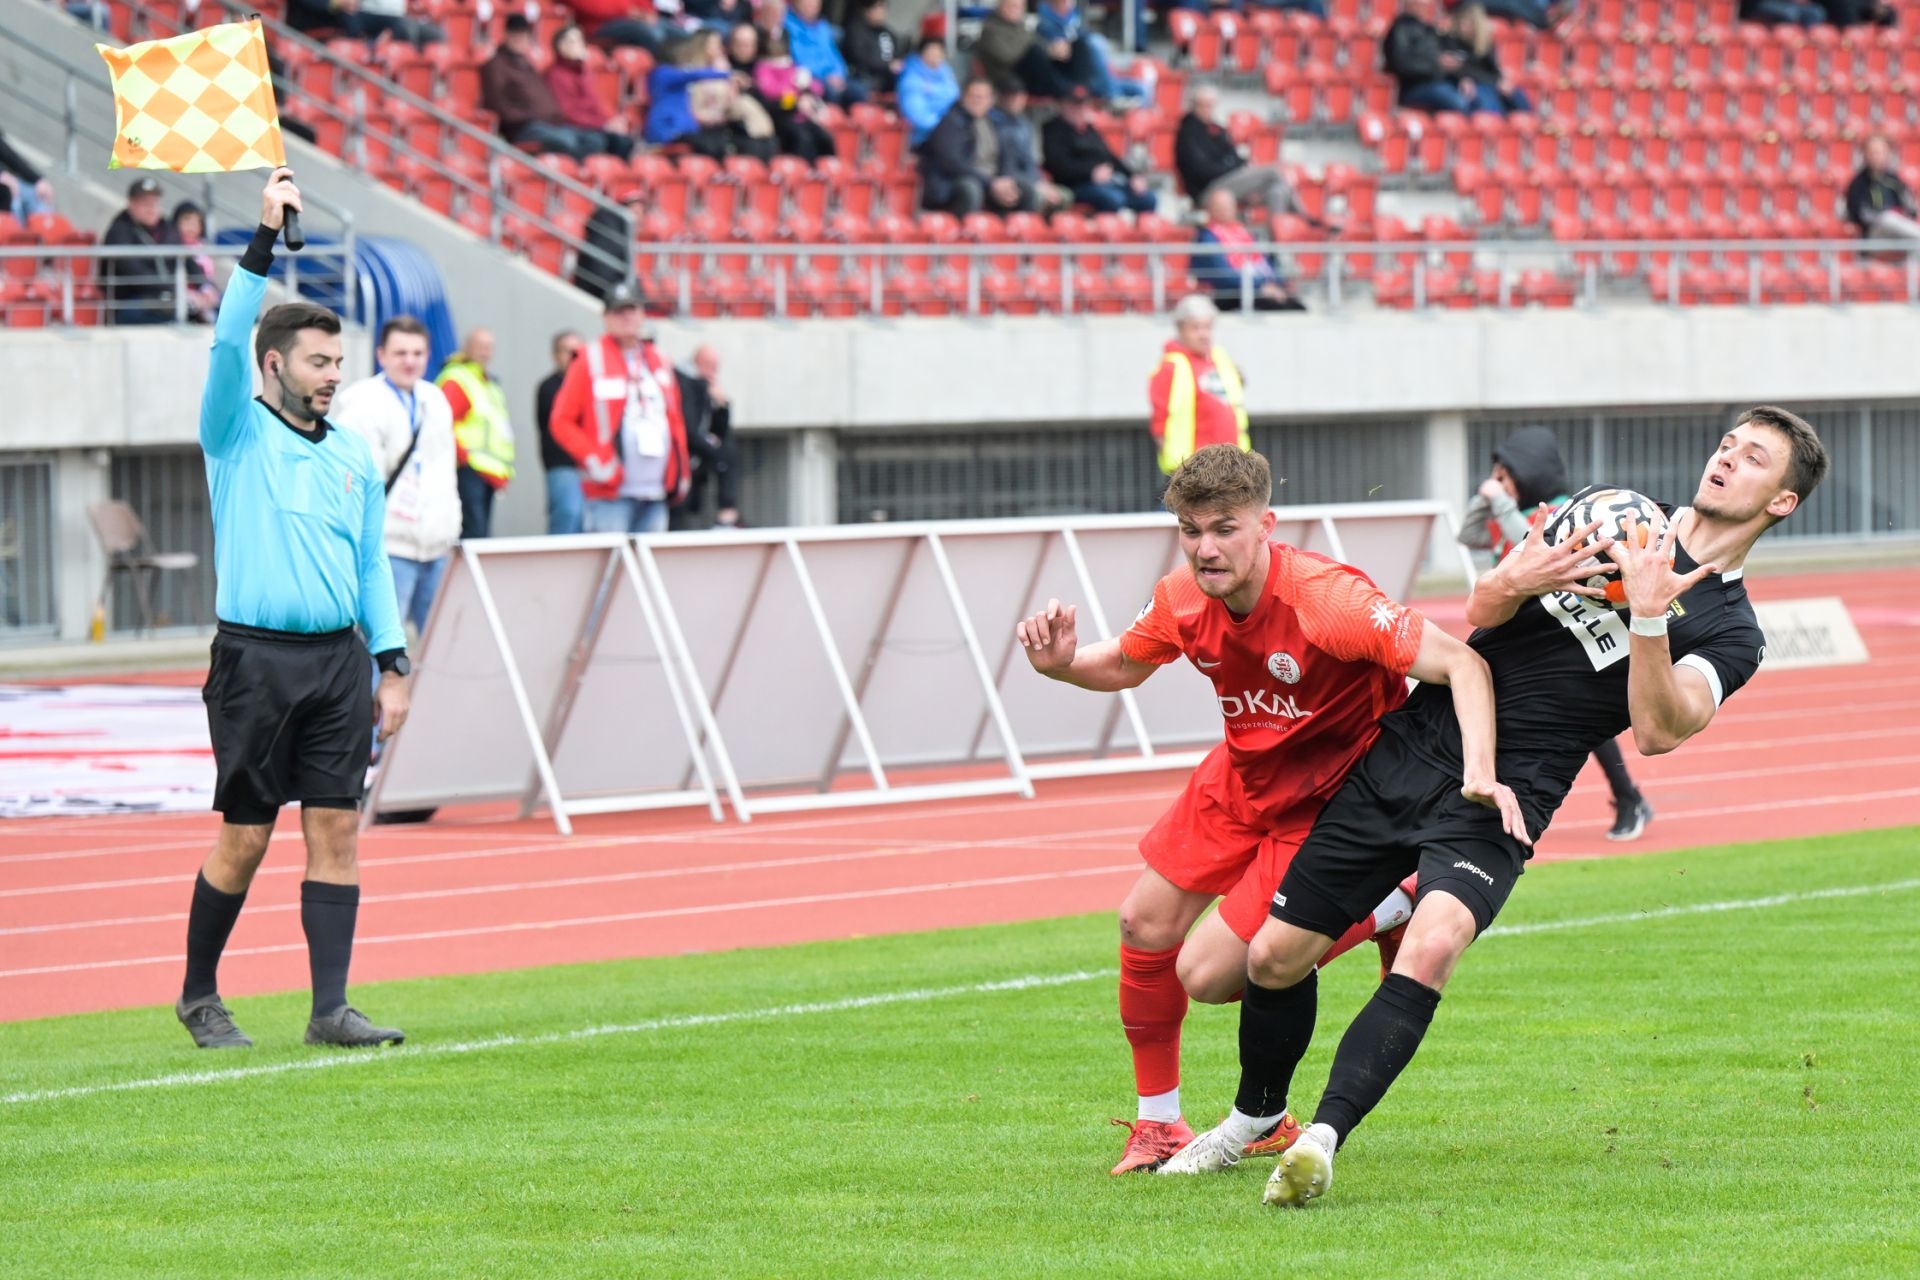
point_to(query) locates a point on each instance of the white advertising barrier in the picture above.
(810, 668)
(1815, 632)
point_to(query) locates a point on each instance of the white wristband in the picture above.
(1648, 626)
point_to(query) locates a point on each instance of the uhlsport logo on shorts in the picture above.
(1282, 667)
(1464, 865)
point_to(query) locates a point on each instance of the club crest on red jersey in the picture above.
(1282, 666)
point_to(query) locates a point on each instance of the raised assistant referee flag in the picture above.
(197, 103)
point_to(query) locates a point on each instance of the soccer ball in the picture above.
(1623, 515)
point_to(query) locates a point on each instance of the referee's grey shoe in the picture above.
(1630, 818)
(348, 1028)
(211, 1026)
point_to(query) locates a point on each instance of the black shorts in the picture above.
(291, 718)
(1397, 813)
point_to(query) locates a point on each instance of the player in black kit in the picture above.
(1569, 673)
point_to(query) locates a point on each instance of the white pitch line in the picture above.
(878, 999)
(623, 917)
(674, 1023)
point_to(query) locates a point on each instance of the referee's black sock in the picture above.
(1613, 763)
(328, 913)
(209, 921)
(1375, 1050)
(1276, 1026)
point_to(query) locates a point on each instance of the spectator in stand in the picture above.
(612, 24)
(1878, 199)
(1858, 13)
(719, 16)
(769, 17)
(1081, 56)
(816, 49)
(682, 103)
(24, 191)
(1008, 49)
(1792, 13)
(1020, 149)
(960, 165)
(1195, 394)
(927, 88)
(528, 111)
(1207, 159)
(618, 415)
(1078, 157)
(565, 506)
(139, 290)
(580, 103)
(361, 20)
(482, 431)
(708, 416)
(1226, 262)
(190, 230)
(872, 50)
(786, 90)
(1432, 73)
(408, 424)
(1471, 37)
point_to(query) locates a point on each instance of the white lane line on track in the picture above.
(849, 1003)
(623, 917)
(1048, 843)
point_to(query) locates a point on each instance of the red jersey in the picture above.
(1302, 681)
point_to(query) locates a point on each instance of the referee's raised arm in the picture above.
(226, 416)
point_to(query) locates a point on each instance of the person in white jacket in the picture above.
(406, 421)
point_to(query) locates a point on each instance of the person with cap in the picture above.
(1196, 392)
(482, 431)
(618, 416)
(140, 290)
(1078, 157)
(1528, 483)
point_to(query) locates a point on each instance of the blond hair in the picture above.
(1220, 477)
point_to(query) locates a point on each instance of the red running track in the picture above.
(92, 911)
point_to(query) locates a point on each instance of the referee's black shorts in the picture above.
(1397, 813)
(291, 718)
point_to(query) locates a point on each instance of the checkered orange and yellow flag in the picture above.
(197, 103)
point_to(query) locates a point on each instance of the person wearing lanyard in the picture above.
(618, 416)
(408, 424)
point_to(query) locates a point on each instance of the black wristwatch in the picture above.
(394, 662)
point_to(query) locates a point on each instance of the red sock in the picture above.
(1153, 1004)
(1362, 932)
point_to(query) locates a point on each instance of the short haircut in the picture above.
(560, 339)
(280, 328)
(1220, 477)
(401, 324)
(974, 80)
(1195, 306)
(926, 41)
(1807, 459)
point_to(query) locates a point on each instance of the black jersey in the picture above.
(1560, 681)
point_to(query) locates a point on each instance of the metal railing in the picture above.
(78, 291)
(1336, 274)
(365, 127)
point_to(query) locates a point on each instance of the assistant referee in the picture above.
(299, 517)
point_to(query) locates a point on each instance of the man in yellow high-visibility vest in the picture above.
(1196, 392)
(482, 431)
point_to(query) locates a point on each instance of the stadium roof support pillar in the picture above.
(1451, 475)
(813, 478)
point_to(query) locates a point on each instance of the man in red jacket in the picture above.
(618, 415)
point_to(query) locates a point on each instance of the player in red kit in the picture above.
(1305, 655)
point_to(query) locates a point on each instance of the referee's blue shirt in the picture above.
(299, 527)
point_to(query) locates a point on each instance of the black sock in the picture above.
(209, 921)
(1375, 1050)
(1276, 1026)
(1614, 764)
(328, 913)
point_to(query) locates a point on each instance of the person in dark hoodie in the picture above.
(1529, 481)
(1878, 199)
(1432, 77)
(873, 52)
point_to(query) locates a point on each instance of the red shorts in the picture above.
(1211, 841)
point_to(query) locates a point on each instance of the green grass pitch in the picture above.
(1688, 1091)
